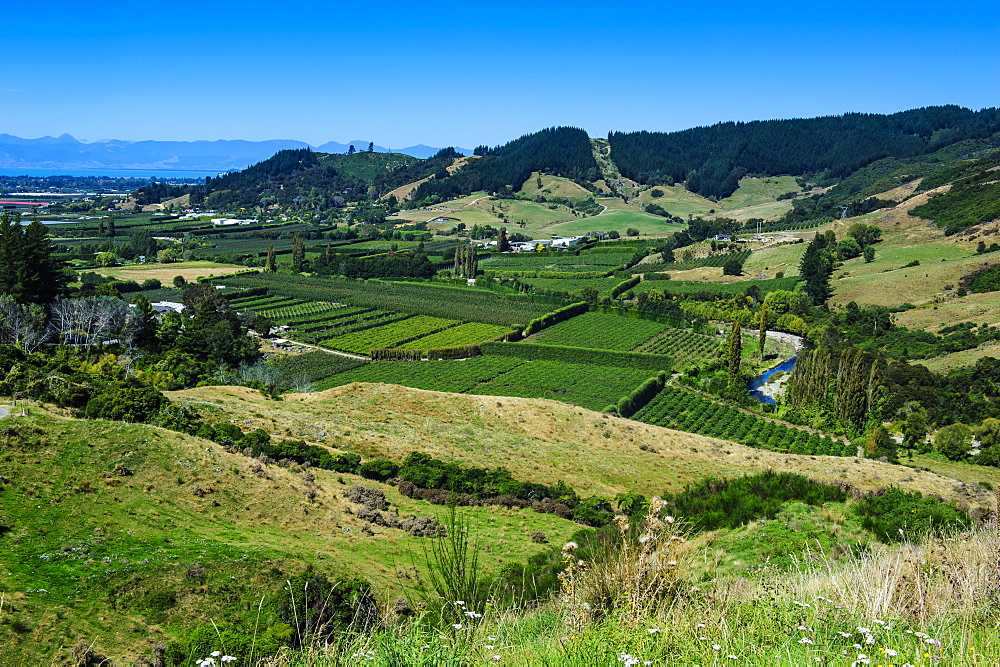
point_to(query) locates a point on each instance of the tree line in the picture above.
(711, 160)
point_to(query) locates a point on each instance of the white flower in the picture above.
(716, 647)
(875, 620)
(869, 639)
(652, 631)
(932, 641)
(227, 658)
(891, 653)
(806, 640)
(491, 639)
(457, 626)
(703, 639)
(732, 657)
(921, 635)
(570, 546)
(216, 654)
(498, 657)
(843, 634)
(865, 631)
(460, 603)
(700, 625)
(803, 628)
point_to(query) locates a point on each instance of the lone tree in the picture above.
(763, 328)
(298, 253)
(271, 264)
(732, 267)
(816, 268)
(503, 245)
(734, 351)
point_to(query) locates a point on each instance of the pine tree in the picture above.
(816, 268)
(271, 265)
(29, 272)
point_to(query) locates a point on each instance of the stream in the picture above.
(761, 387)
(757, 386)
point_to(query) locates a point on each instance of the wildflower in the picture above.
(491, 639)
(652, 631)
(700, 625)
(628, 659)
(472, 614)
(216, 654)
(891, 653)
(703, 639)
(932, 641)
(498, 657)
(869, 639)
(803, 628)
(806, 640)
(489, 647)
(864, 631)
(227, 658)
(716, 647)
(857, 646)
(732, 657)
(570, 546)
(921, 635)
(875, 620)
(843, 634)
(460, 603)
(457, 626)
(668, 519)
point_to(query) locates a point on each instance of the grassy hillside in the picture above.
(151, 531)
(535, 439)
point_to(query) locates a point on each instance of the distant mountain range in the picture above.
(66, 152)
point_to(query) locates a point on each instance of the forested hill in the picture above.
(711, 160)
(305, 179)
(561, 151)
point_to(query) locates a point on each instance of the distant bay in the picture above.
(113, 173)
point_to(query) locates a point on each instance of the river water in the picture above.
(756, 385)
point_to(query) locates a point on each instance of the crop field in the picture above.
(456, 303)
(689, 411)
(599, 331)
(616, 220)
(592, 387)
(589, 386)
(312, 366)
(460, 377)
(573, 285)
(166, 272)
(469, 333)
(684, 265)
(584, 262)
(389, 335)
(730, 288)
(684, 346)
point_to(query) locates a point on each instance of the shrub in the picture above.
(378, 469)
(729, 503)
(896, 516)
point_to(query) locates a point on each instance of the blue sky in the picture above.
(444, 73)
